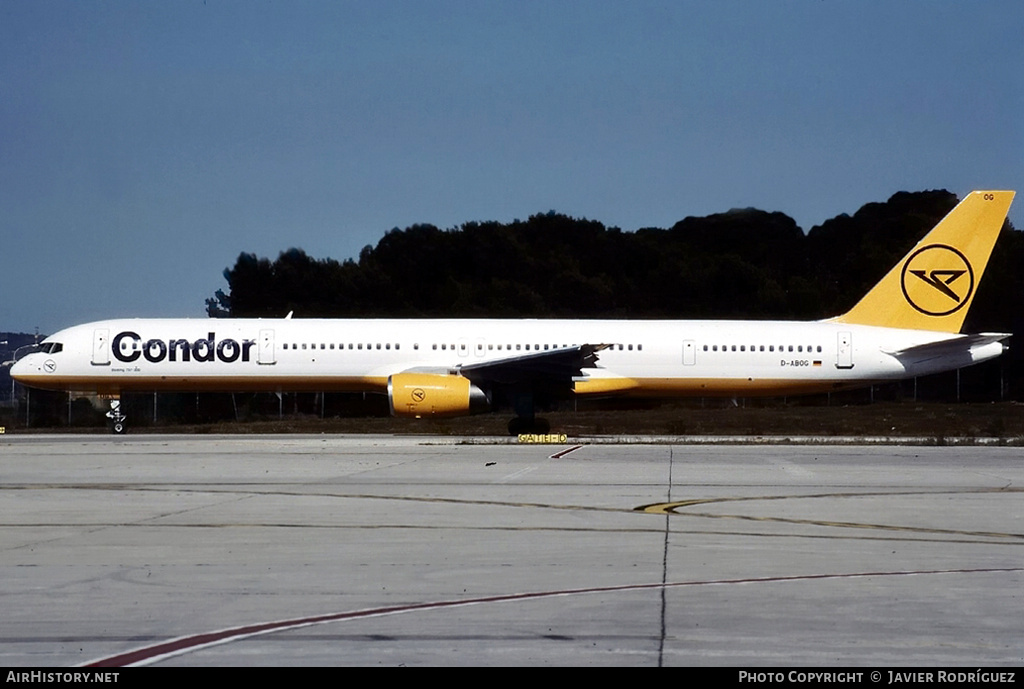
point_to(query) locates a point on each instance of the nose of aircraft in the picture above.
(21, 368)
(16, 369)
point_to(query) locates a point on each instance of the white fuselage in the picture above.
(645, 357)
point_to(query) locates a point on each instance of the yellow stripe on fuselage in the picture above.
(707, 387)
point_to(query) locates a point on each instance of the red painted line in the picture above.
(563, 453)
(187, 644)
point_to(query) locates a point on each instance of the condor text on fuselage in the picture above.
(180, 349)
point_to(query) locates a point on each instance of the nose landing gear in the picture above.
(117, 419)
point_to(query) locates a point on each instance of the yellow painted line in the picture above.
(672, 507)
(859, 525)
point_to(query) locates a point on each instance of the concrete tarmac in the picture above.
(377, 550)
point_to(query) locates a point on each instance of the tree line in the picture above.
(743, 263)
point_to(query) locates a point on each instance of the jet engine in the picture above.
(417, 395)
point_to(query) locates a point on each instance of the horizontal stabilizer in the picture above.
(950, 347)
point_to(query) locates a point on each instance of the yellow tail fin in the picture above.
(933, 286)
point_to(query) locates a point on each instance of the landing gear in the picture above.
(526, 421)
(522, 424)
(117, 425)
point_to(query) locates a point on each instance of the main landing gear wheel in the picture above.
(117, 425)
(520, 425)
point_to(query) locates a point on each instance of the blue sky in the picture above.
(144, 145)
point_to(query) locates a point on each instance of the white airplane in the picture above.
(907, 325)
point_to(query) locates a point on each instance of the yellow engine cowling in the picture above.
(433, 394)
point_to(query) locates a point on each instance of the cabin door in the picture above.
(844, 351)
(100, 347)
(689, 352)
(266, 350)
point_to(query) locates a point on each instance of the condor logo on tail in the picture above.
(937, 280)
(939, 276)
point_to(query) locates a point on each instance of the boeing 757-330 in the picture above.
(907, 325)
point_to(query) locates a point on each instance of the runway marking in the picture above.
(253, 489)
(672, 507)
(516, 474)
(664, 508)
(147, 655)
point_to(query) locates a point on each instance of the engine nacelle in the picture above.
(433, 394)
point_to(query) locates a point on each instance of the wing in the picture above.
(554, 367)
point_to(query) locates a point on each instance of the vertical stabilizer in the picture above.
(933, 286)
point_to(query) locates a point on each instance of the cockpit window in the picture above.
(51, 347)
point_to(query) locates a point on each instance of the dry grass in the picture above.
(882, 419)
